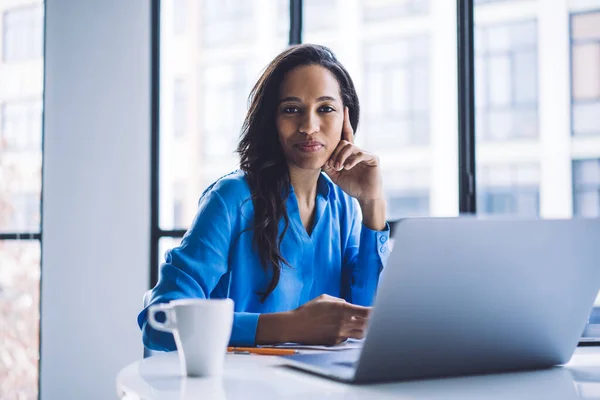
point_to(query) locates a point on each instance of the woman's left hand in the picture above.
(355, 171)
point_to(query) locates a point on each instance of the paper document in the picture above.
(347, 345)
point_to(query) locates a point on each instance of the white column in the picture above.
(444, 109)
(96, 194)
(554, 109)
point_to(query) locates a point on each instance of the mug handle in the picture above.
(170, 323)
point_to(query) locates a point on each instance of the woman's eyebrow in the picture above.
(292, 98)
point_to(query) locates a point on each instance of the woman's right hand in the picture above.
(327, 320)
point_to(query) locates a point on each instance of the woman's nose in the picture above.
(309, 124)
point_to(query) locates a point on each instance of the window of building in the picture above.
(225, 90)
(179, 107)
(506, 81)
(20, 125)
(396, 95)
(509, 190)
(21, 25)
(586, 188)
(227, 22)
(585, 67)
(22, 33)
(377, 10)
(179, 17)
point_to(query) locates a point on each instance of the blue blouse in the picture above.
(217, 258)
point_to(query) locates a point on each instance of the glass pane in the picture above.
(165, 244)
(587, 203)
(525, 123)
(208, 67)
(586, 172)
(498, 38)
(316, 16)
(21, 83)
(501, 126)
(586, 26)
(22, 31)
(19, 313)
(586, 118)
(586, 71)
(506, 75)
(501, 84)
(586, 181)
(376, 10)
(408, 101)
(525, 79)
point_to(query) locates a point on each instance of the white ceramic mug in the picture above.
(201, 328)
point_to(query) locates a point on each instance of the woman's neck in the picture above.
(304, 182)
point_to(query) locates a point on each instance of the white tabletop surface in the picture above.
(264, 377)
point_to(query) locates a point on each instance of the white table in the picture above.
(264, 377)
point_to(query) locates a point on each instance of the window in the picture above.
(20, 316)
(407, 192)
(506, 81)
(397, 95)
(389, 52)
(179, 107)
(22, 33)
(374, 10)
(21, 124)
(179, 204)
(179, 17)
(204, 91)
(402, 57)
(21, 37)
(225, 90)
(317, 15)
(585, 67)
(227, 22)
(586, 188)
(509, 190)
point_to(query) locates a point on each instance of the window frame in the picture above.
(572, 43)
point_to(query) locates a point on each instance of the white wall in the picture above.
(96, 193)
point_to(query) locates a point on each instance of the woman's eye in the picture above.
(290, 110)
(326, 109)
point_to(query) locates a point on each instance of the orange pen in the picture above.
(263, 351)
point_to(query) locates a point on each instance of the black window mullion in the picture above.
(154, 134)
(466, 107)
(295, 22)
(21, 236)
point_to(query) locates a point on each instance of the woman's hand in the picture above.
(327, 320)
(355, 171)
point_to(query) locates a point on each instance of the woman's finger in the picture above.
(341, 157)
(355, 324)
(356, 334)
(353, 310)
(347, 131)
(340, 147)
(354, 159)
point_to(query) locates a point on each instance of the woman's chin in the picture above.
(309, 164)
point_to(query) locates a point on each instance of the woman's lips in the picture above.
(309, 147)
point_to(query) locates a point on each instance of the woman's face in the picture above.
(309, 116)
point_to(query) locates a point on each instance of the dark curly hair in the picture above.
(261, 155)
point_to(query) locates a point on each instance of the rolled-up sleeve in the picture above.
(365, 256)
(193, 270)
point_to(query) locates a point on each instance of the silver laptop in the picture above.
(469, 296)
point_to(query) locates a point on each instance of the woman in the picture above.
(283, 236)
